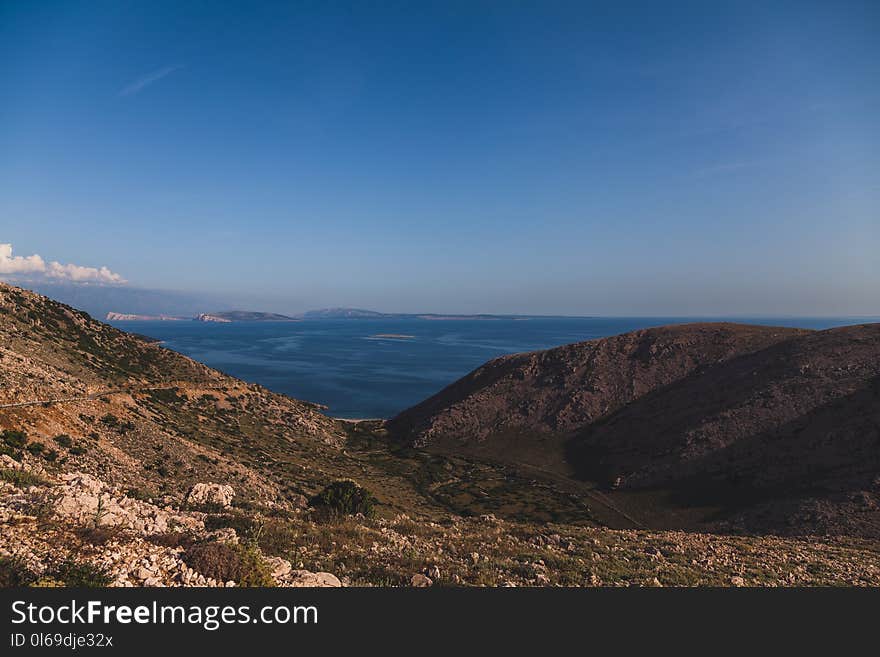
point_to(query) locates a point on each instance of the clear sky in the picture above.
(580, 158)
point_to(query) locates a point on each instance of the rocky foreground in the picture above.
(75, 530)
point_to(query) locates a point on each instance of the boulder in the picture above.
(420, 581)
(305, 578)
(209, 493)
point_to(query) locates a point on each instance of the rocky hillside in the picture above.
(526, 406)
(123, 463)
(765, 429)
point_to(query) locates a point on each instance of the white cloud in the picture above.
(145, 81)
(35, 265)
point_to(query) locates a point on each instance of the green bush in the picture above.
(83, 574)
(14, 439)
(14, 572)
(21, 478)
(36, 448)
(346, 498)
(64, 440)
(110, 420)
(223, 562)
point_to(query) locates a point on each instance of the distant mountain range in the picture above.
(360, 313)
(325, 313)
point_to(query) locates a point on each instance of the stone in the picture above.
(210, 493)
(420, 581)
(280, 567)
(305, 578)
(736, 580)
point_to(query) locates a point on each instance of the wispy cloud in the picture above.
(141, 83)
(34, 265)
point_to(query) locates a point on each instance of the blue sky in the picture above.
(578, 158)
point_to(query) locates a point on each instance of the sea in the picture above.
(375, 368)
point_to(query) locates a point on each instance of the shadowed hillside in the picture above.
(762, 429)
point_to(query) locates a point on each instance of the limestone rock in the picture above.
(420, 581)
(210, 493)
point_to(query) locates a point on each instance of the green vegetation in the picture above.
(242, 564)
(12, 442)
(110, 420)
(21, 478)
(14, 572)
(64, 440)
(345, 498)
(36, 448)
(83, 574)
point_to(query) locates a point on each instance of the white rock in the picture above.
(210, 493)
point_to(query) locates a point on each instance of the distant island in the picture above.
(131, 317)
(243, 316)
(360, 313)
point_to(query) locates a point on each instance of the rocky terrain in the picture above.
(123, 463)
(718, 426)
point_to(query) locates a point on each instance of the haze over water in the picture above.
(343, 365)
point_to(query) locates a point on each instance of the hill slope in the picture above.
(764, 429)
(525, 406)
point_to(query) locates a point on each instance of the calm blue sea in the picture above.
(341, 364)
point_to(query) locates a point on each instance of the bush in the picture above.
(14, 572)
(84, 574)
(223, 562)
(14, 439)
(64, 440)
(345, 498)
(110, 420)
(78, 450)
(21, 478)
(36, 448)
(12, 442)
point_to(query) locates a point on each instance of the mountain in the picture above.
(243, 316)
(358, 313)
(764, 429)
(126, 463)
(344, 313)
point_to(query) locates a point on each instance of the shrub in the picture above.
(21, 478)
(14, 572)
(346, 498)
(14, 439)
(223, 562)
(110, 420)
(51, 455)
(36, 448)
(78, 450)
(84, 574)
(64, 440)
